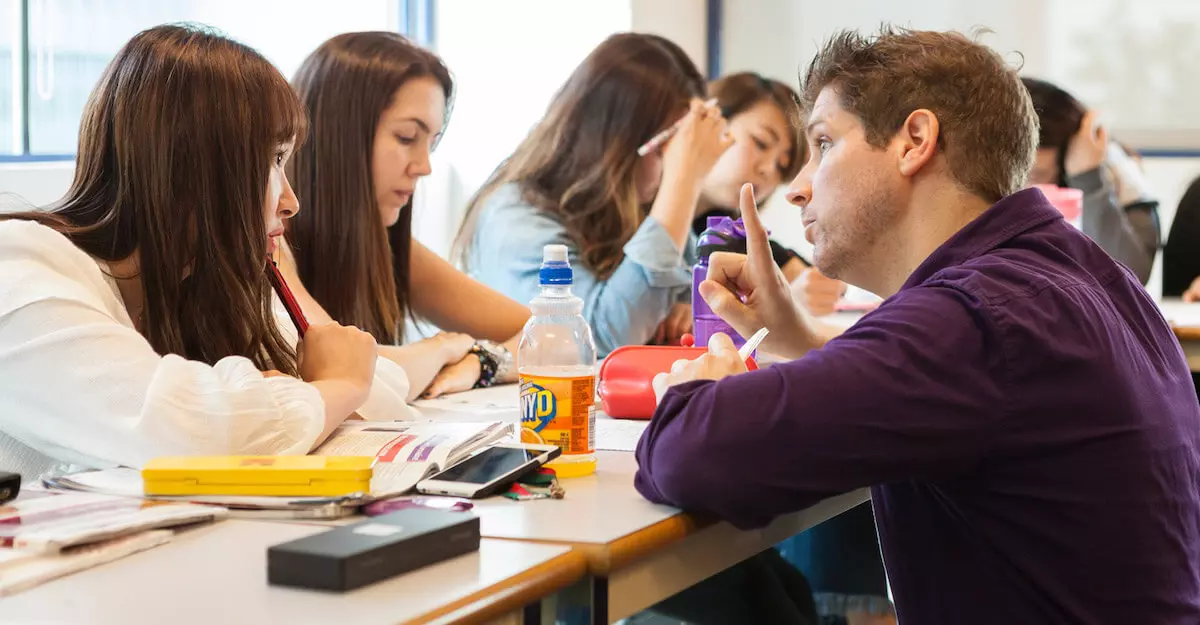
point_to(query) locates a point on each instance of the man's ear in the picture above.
(918, 139)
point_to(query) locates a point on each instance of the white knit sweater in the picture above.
(80, 387)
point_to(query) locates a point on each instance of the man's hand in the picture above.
(721, 361)
(749, 292)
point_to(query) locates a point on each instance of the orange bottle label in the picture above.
(559, 411)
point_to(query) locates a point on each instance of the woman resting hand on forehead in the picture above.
(136, 317)
(578, 179)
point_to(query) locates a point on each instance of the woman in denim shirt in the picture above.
(577, 180)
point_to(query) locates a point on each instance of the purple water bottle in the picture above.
(723, 234)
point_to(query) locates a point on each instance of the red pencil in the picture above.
(289, 300)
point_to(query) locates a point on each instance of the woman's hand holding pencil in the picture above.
(698, 142)
(657, 141)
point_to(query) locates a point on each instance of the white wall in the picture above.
(682, 21)
(36, 184)
(777, 38)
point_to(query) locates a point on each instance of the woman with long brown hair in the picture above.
(136, 317)
(377, 105)
(577, 179)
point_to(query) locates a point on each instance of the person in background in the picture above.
(136, 316)
(764, 121)
(1181, 255)
(840, 557)
(1017, 404)
(577, 180)
(378, 104)
(1075, 151)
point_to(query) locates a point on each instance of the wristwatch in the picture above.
(495, 361)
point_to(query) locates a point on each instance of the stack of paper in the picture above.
(45, 535)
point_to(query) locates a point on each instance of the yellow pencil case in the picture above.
(279, 476)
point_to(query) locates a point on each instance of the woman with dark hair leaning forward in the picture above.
(136, 317)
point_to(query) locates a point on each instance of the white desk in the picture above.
(217, 574)
(638, 553)
(641, 552)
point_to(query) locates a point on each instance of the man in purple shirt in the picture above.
(1018, 405)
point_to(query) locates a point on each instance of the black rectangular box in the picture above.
(352, 556)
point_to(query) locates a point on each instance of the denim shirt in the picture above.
(624, 309)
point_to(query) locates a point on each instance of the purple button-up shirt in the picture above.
(1022, 412)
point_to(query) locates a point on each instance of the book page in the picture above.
(406, 452)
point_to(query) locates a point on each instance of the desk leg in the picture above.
(584, 603)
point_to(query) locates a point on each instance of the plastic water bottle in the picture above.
(557, 370)
(722, 234)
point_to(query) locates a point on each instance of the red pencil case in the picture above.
(625, 384)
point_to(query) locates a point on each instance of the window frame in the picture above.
(415, 21)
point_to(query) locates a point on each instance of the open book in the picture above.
(406, 452)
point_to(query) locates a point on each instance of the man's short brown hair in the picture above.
(988, 128)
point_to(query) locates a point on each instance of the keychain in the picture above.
(545, 483)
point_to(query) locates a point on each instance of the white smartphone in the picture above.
(488, 470)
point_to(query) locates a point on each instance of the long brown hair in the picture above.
(737, 93)
(579, 161)
(352, 265)
(175, 149)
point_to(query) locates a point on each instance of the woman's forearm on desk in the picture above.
(421, 361)
(341, 400)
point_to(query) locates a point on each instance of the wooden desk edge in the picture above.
(1186, 333)
(511, 594)
(603, 558)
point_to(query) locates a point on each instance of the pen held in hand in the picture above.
(658, 140)
(289, 300)
(752, 344)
